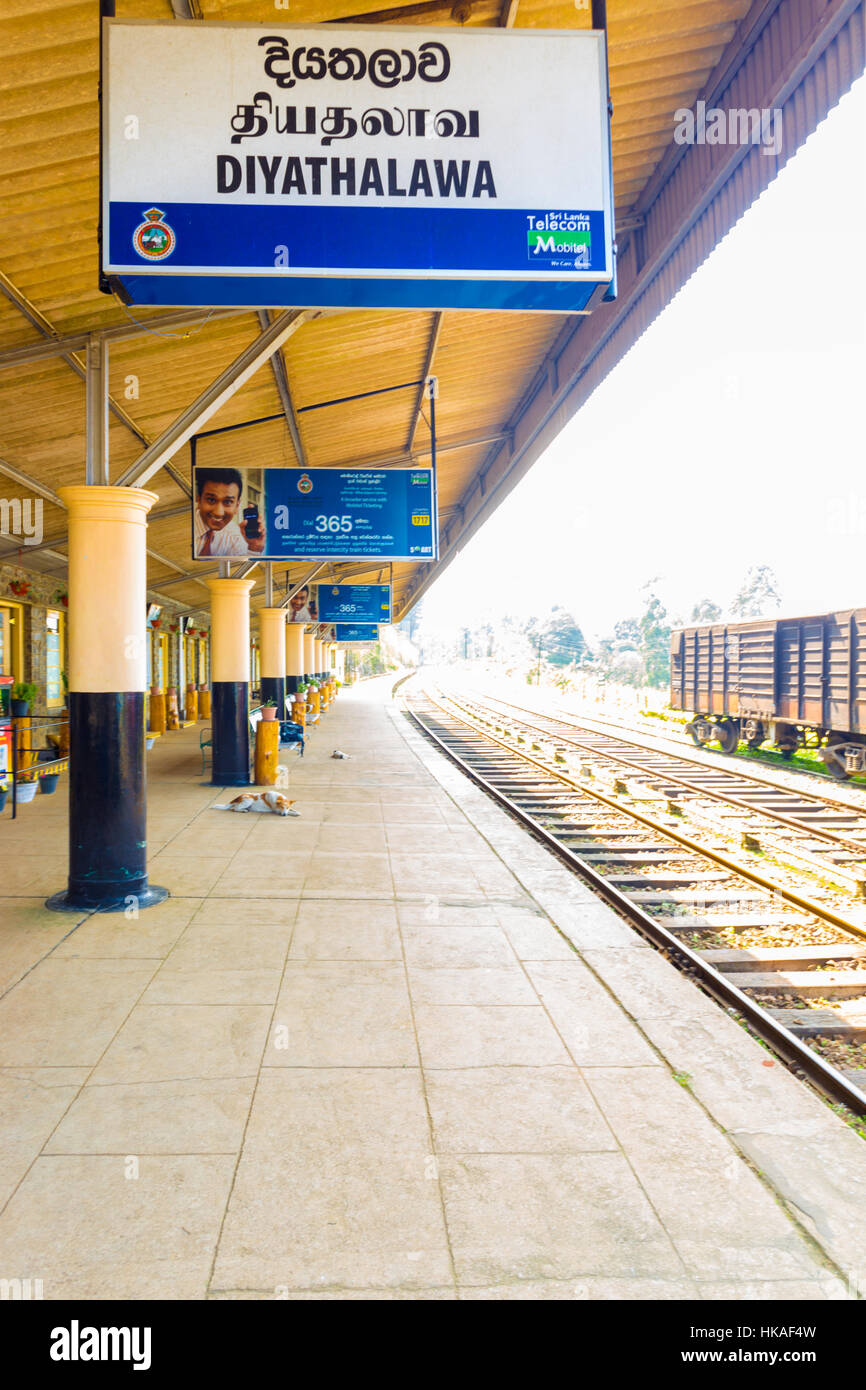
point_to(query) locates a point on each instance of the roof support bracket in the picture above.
(221, 389)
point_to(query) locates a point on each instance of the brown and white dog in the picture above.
(259, 801)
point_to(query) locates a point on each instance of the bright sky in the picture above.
(732, 434)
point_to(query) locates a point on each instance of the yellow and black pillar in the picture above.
(272, 637)
(230, 681)
(107, 680)
(294, 656)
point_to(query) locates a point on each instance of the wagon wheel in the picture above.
(729, 736)
(835, 766)
(837, 770)
(755, 733)
(700, 733)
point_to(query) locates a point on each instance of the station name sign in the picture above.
(356, 167)
(354, 603)
(315, 514)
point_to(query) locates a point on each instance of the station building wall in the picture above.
(33, 634)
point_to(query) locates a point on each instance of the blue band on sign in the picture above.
(240, 238)
(336, 292)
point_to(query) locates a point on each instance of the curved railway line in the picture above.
(687, 893)
(811, 829)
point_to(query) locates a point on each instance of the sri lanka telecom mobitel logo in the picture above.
(559, 236)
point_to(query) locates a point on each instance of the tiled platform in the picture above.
(374, 1052)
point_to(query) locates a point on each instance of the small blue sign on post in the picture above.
(356, 632)
(316, 513)
(354, 603)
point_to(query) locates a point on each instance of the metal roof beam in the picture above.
(346, 572)
(221, 389)
(778, 64)
(18, 476)
(46, 546)
(302, 582)
(432, 344)
(281, 378)
(16, 545)
(96, 430)
(398, 13)
(170, 564)
(443, 446)
(45, 327)
(59, 345)
(61, 538)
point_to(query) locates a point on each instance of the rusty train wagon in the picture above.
(790, 681)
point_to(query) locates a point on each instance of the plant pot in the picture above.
(3, 796)
(48, 783)
(26, 792)
(19, 708)
(269, 712)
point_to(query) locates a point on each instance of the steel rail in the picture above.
(791, 821)
(784, 1043)
(724, 861)
(735, 768)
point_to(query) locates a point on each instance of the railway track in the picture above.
(807, 828)
(793, 967)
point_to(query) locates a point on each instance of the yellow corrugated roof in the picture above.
(660, 57)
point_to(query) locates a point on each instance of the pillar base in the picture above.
(107, 802)
(72, 900)
(230, 733)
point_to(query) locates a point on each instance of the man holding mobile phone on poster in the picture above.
(219, 530)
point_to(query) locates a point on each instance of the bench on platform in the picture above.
(290, 732)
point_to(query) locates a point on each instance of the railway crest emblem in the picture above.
(305, 484)
(154, 239)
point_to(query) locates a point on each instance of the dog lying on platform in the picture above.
(259, 801)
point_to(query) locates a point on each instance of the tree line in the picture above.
(636, 653)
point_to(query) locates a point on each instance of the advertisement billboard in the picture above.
(356, 632)
(356, 167)
(315, 513)
(354, 603)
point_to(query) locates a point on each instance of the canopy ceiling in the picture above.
(494, 370)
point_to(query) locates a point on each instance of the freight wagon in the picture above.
(789, 681)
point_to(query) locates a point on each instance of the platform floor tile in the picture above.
(375, 1051)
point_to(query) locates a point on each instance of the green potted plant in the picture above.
(269, 709)
(22, 697)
